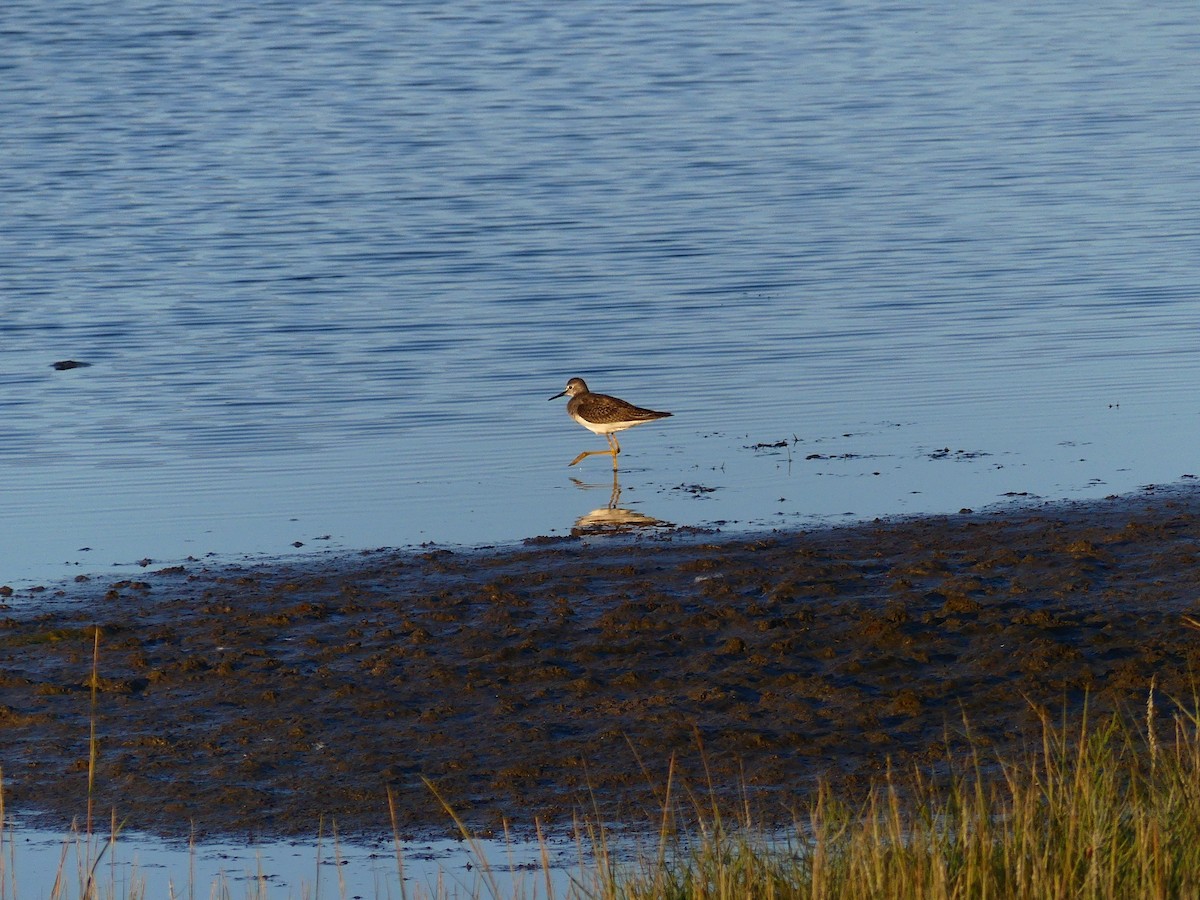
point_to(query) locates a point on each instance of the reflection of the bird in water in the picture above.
(613, 519)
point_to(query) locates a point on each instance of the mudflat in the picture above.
(564, 675)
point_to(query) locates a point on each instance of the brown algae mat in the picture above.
(563, 676)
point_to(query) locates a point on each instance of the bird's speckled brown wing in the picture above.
(605, 410)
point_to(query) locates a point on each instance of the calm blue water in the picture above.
(329, 259)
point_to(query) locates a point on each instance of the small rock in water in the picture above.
(63, 364)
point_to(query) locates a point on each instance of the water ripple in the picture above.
(333, 259)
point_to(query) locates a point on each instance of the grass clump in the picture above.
(1108, 810)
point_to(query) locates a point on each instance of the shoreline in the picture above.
(562, 675)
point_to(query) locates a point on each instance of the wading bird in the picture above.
(602, 414)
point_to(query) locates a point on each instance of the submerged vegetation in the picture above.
(1100, 809)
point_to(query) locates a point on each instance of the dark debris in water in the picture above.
(65, 364)
(696, 490)
(947, 453)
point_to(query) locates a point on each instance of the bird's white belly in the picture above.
(602, 427)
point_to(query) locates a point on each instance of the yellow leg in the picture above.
(587, 453)
(616, 448)
(613, 449)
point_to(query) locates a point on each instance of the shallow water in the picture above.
(327, 263)
(138, 865)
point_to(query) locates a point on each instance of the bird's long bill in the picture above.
(556, 396)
